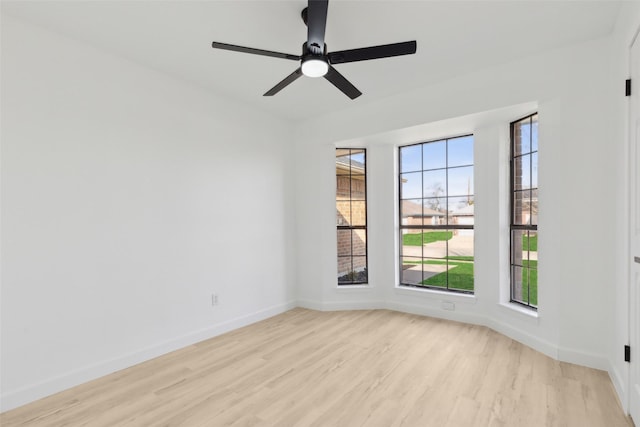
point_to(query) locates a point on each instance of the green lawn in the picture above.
(530, 281)
(461, 277)
(460, 258)
(530, 243)
(419, 239)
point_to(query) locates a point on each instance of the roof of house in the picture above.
(411, 208)
(356, 167)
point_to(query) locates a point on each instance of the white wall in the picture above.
(127, 199)
(573, 92)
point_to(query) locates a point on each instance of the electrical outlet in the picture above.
(214, 299)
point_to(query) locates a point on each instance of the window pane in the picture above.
(358, 213)
(519, 247)
(435, 243)
(534, 170)
(522, 172)
(460, 151)
(531, 244)
(343, 162)
(342, 152)
(411, 271)
(461, 245)
(460, 210)
(525, 287)
(411, 212)
(434, 155)
(343, 212)
(534, 133)
(461, 260)
(522, 137)
(343, 187)
(358, 189)
(533, 285)
(354, 271)
(412, 243)
(435, 273)
(434, 211)
(435, 183)
(344, 243)
(519, 284)
(345, 266)
(521, 207)
(460, 181)
(516, 172)
(359, 266)
(359, 242)
(534, 207)
(411, 158)
(524, 256)
(411, 185)
(357, 161)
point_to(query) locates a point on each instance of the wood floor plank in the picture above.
(351, 368)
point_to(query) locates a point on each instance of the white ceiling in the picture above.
(453, 37)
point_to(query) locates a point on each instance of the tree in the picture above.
(435, 192)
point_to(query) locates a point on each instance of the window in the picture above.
(436, 214)
(351, 215)
(524, 211)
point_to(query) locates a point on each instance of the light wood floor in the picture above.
(355, 368)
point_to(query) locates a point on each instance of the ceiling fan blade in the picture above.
(373, 52)
(225, 46)
(341, 83)
(316, 25)
(284, 83)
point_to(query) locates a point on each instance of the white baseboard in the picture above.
(582, 358)
(438, 313)
(311, 305)
(617, 378)
(342, 305)
(536, 343)
(30, 393)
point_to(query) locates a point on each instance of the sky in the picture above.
(424, 171)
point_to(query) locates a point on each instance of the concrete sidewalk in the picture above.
(458, 246)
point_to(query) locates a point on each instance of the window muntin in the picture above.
(437, 214)
(351, 216)
(524, 212)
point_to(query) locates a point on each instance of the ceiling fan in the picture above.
(315, 60)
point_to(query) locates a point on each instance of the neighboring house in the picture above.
(463, 216)
(529, 203)
(415, 214)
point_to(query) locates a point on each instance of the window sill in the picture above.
(435, 294)
(352, 288)
(524, 312)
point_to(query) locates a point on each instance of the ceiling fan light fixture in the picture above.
(315, 67)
